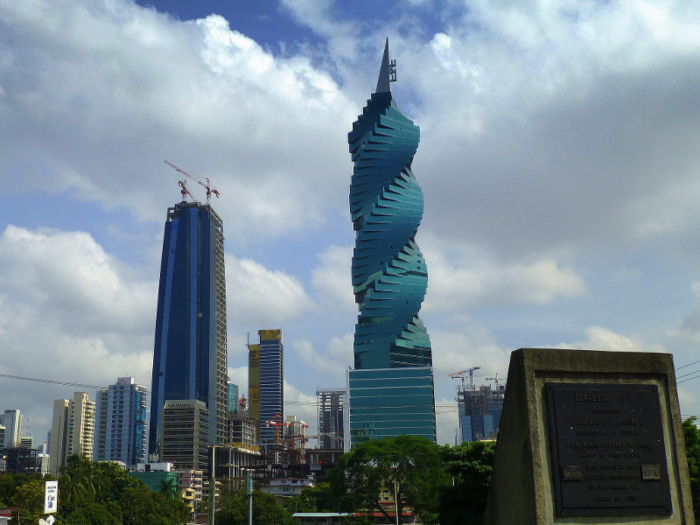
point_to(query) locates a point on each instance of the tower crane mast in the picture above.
(206, 183)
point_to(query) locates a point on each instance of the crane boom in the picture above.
(462, 373)
(207, 185)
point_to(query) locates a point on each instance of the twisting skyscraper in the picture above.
(391, 387)
(190, 354)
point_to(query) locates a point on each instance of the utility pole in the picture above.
(396, 501)
(212, 487)
(249, 483)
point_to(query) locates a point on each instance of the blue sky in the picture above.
(558, 159)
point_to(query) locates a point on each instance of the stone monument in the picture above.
(590, 437)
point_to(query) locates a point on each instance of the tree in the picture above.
(463, 502)
(314, 499)
(266, 510)
(692, 449)
(29, 500)
(411, 466)
(168, 488)
(95, 514)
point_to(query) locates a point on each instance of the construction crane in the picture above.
(277, 423)
(185, 192)
(461, 374)
(494, 378)
(207, 185)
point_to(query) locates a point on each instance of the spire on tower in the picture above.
(387, 72)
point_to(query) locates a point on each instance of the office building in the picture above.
(190, 354)
(266, 382)
(480, 412)
(12, 420)
(389, 275)
(72, 430)
(331, 424)
(232, 397)
(120, 433)
(184, 434)
(243, 431)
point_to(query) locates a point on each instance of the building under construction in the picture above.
(479, 412)
(331, 415)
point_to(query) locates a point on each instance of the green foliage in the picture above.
(95, 514)
(168, 488)
(463, 501)
(692, 448)
(266, 510)
(92, 494)
(314, 499)
(411, 465)
(145, 507)
(29, 499)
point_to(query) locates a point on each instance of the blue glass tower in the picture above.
(190, 353)
(391, 387)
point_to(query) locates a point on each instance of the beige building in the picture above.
(72, 429)
(185, 429)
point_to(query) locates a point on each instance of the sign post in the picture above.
(50, 497)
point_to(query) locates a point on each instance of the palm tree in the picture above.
(168, 488)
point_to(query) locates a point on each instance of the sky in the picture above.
(559, 162)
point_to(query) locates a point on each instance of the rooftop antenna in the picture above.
(387, 72)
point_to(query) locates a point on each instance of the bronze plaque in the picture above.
(608, 454)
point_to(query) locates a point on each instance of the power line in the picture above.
(53, 382)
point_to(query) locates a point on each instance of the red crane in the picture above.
(207, 185)
(185, 192)
(277, 423)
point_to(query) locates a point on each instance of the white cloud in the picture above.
(472, 346)
(301, 405)
(239, 376)
(332, 279)
(257, 296)
(68, 277)
(335, 360)
(101, 79)
(472, 280)
(600, 338)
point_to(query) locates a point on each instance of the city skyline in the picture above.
(558, 162)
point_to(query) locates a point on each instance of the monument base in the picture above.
(590, 437)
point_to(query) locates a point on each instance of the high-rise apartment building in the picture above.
(331, 424)
(266, 382)
(11, 420)
(72, 429)
(184, 437)
(190, 354)
(120, 433)
(391, 386)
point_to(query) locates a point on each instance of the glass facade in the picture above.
(190, 355)
(271, 382)
(232, 398)
(389, 275)
(391, 402)
(480, 412)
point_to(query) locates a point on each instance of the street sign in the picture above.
(51, 497)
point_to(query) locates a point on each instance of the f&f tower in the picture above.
(391, 386)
